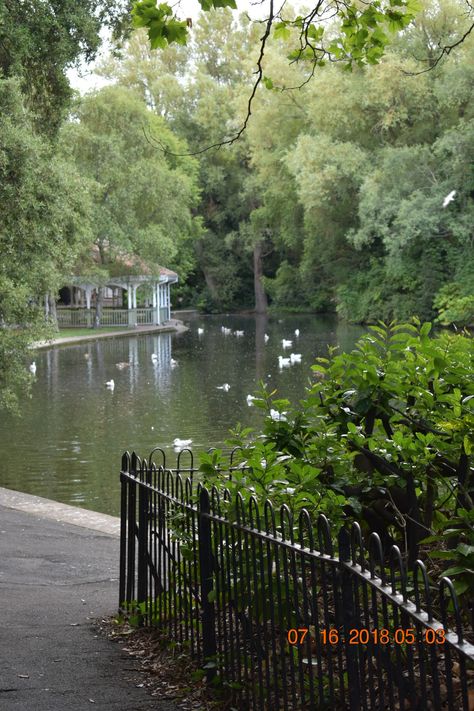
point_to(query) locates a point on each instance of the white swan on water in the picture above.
(297, 332)
(200, 331)
(286, 344)
(180, 443)
(110, 384)
(225, 387)
(250, 399)
(266, 338)
(295, 357)
(278, 416)
(283, 362)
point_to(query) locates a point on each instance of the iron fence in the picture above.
(277, 612)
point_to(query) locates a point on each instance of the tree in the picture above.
(354, 34)
(142, 199)
(43, 222)
(40, 40)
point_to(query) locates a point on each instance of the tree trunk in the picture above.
(51, 309)
(208, 277)
(98, 307)
(261, 303)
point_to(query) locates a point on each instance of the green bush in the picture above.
(385, 435)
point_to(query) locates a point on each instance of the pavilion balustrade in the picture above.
(70, 317)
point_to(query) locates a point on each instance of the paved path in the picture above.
(55, 579)
(173, 325)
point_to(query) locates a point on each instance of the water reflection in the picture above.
(67, 445)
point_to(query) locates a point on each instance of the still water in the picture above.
(68, 443)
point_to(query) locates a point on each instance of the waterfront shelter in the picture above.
(127, 300)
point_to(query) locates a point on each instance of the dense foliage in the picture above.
(333, 197)
(44, 220)
(385, 435)
(141, 198)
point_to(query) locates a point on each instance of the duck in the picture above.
(297, 332)
(180, 443)
(33, 368)
(266, 338)
(250, 399)
(238, 333)
(226, 331)
(286, 344)
(225, 387)
(200, 331)
(110, 384)
(295, 357)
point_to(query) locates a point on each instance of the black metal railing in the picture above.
(274, 613)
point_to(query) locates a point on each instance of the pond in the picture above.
(68, 443)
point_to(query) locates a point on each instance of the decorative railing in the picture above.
(144, 316)
(114, 317)
(71, 317)
(278, 610)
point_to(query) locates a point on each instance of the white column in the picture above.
(88, 291)
(129, 298)
(134, 292)
(168, 301)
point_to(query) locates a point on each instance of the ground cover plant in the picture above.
(385, 436)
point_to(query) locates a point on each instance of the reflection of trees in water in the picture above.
(261, 321)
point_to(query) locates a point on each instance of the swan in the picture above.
(286, 344)
(110, 384)
(283, 362)
(278, 416)
(200, 331)
(238, 333)
(449, 198)
(180, 443)
(226, 331)
(295, 357)
(33, 368)
(297, 332)
(266, 338)
(225, 387)
(250, 399)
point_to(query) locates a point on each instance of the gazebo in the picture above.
(120, 303)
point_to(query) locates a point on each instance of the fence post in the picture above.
(143, 518)
(350, 619)
(123, 532)
(206, 570)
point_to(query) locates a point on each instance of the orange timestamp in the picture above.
(363, 635)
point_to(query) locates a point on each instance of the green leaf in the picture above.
(267, 82)
(281, 31)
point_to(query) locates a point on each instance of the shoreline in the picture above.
(61, 513)
(173, 326)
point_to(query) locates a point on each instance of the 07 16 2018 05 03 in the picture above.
(401, 635)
